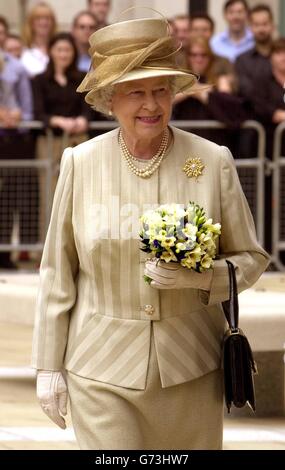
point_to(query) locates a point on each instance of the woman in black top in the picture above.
(60, 107)
(56, 102)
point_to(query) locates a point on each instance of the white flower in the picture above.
(191, 213)
(183, 246)
(165, 228)
(190, 231)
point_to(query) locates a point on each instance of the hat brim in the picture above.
(184, 81)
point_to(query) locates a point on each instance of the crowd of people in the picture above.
(40, 69)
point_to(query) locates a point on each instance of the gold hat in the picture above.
(132, 50)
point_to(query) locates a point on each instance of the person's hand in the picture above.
(52, 395)
(68, 125)
(278, 116)
(80, 125)
(3, 117)
(179, 97)
(64, 123)
(225, 84)
(174, 276)
(10, 118)
(202, 92)
(14, 117)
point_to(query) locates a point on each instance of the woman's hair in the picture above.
(215, 68)
(40, 9)
(72, 70)
(278, 46)
(105, 96)
(4, 23)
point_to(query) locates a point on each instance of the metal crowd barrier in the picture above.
(251, 170)
(10, 167)
(278, 222)
(253, 184)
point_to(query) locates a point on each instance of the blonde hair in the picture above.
(40, 9)
(202, 42)
(216, 68)
(2, 62)
(105, 95)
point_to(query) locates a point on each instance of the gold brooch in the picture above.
(193, 167)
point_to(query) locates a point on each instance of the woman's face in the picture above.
(42, 25)
(201, 27)
(14, 47)
(278, 61)
(198, 59)
(143, 107)
(62, 53)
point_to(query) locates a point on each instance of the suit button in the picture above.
(149, 309)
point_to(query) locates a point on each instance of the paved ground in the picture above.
(24, 426)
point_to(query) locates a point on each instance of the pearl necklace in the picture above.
(155, 161)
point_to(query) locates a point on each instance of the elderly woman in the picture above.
(140, 362)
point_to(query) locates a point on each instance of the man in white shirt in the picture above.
(238, 38)
(84, 24)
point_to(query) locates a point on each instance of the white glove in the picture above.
(52, 395)
(174, 276)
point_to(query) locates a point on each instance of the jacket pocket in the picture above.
(112, 350)
(74, 340)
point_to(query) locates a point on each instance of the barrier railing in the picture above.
(253, 191)
(253, 183)
(9, 169)
(278, 222)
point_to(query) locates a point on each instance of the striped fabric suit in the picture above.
(94, 310)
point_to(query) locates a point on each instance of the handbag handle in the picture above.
(231, 307)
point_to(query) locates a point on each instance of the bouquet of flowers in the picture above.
(181, 234)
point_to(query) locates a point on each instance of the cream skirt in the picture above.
(185, 416)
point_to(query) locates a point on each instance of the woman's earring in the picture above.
(110, 113)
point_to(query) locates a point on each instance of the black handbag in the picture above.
(238, 362)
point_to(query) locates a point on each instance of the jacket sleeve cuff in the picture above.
(219, 289)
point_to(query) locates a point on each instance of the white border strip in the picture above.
(53, 434)
(17, 373)
(254, 435)
(36, 434)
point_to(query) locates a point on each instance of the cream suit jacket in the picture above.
(94, 310)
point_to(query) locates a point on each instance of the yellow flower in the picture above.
(192, 257)
(206, 262)
(168, 256)
(168, 242)
(206, 242)
(188, 263)
(214, 228)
